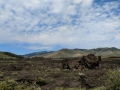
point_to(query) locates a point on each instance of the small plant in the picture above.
(52, 80)
(41, 81)
(1, 76)
(81, 74)
(73, 77)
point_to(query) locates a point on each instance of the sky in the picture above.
(28, 26)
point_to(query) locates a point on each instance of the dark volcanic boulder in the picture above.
(70, 63)
(90, 61)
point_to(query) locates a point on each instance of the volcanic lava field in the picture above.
(48, 74)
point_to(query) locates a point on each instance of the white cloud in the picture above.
(86, 3)
(67, 23)
(77, 1)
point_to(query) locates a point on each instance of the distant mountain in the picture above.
(9, 55)
(37, 54)
(104, 52)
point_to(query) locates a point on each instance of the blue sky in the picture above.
(36, 25)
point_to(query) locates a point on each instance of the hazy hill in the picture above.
(104, 52)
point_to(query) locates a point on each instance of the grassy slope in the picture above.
(4, 56)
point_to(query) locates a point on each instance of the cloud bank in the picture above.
(50, 24)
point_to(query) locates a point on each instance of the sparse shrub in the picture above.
(8, 85)
(113, 81)
(73, 77)
(41, 81)
(52, 80)
(61, 88)
(98, 88)
(38, 88)
(33, 88)
(57, 69)
(48, 69)
(75, 89)
(18, 87)
(15, 73)
(81, 74)
(13, 85)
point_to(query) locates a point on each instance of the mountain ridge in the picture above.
(62, 53)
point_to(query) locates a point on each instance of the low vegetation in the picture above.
(113, 80)
(9, 84)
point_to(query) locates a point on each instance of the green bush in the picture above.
(113, 81)
(41, 81)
